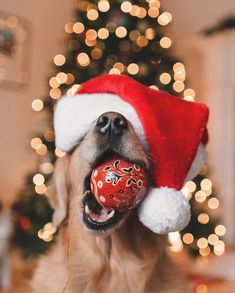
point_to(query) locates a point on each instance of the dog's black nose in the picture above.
(111, 123)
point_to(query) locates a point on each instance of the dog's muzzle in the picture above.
(112, 138)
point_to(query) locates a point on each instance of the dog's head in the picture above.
(150, 120)
(110, 134)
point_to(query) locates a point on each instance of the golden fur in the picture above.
(128, 258)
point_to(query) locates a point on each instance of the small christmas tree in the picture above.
(118, 37)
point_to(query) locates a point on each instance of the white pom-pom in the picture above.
(164, 210)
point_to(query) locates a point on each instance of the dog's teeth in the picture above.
(110, 215)
(87, 210)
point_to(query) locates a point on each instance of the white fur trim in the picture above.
(198, 162)
(164, 210)
(74, 116)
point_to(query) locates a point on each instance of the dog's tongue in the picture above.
(104, 215)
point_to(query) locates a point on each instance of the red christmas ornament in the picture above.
(119, 184)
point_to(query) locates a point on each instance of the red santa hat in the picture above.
(173, 132)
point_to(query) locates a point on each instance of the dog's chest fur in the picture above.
(128, 261)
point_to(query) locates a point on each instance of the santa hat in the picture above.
(172, 131)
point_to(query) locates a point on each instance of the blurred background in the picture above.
(184, 47)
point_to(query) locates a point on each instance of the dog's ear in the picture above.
(58, 190)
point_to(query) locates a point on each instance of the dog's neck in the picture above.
(130, 254)
(130, 260)
(131, 237)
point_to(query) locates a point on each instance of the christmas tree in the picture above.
(116, 37)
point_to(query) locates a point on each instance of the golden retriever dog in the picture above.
(99, 251)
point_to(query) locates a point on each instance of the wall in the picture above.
(189, 19)
(17, 119)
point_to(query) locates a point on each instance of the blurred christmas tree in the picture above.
(117, 37)
(202, 235)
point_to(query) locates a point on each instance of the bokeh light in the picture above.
(220, 230)
(37, 105)
(126, 6)
(188, 238)
(164, 18)
(103, 5)
(165, 42)
(202, 242)
(38, 179)
(206, 184)
(36, 142)
(213, 203)
(103, 33)
(165, 78)
(78, 27)
(59, 60)
(190, 186)
(133, 68)
(212, 239)
(92, 14)
(200, 196)
(121, 32)
(83, 59)
(203, 218)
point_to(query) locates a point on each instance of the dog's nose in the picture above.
(111, 123)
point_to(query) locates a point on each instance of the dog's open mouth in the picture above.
(97, 217)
